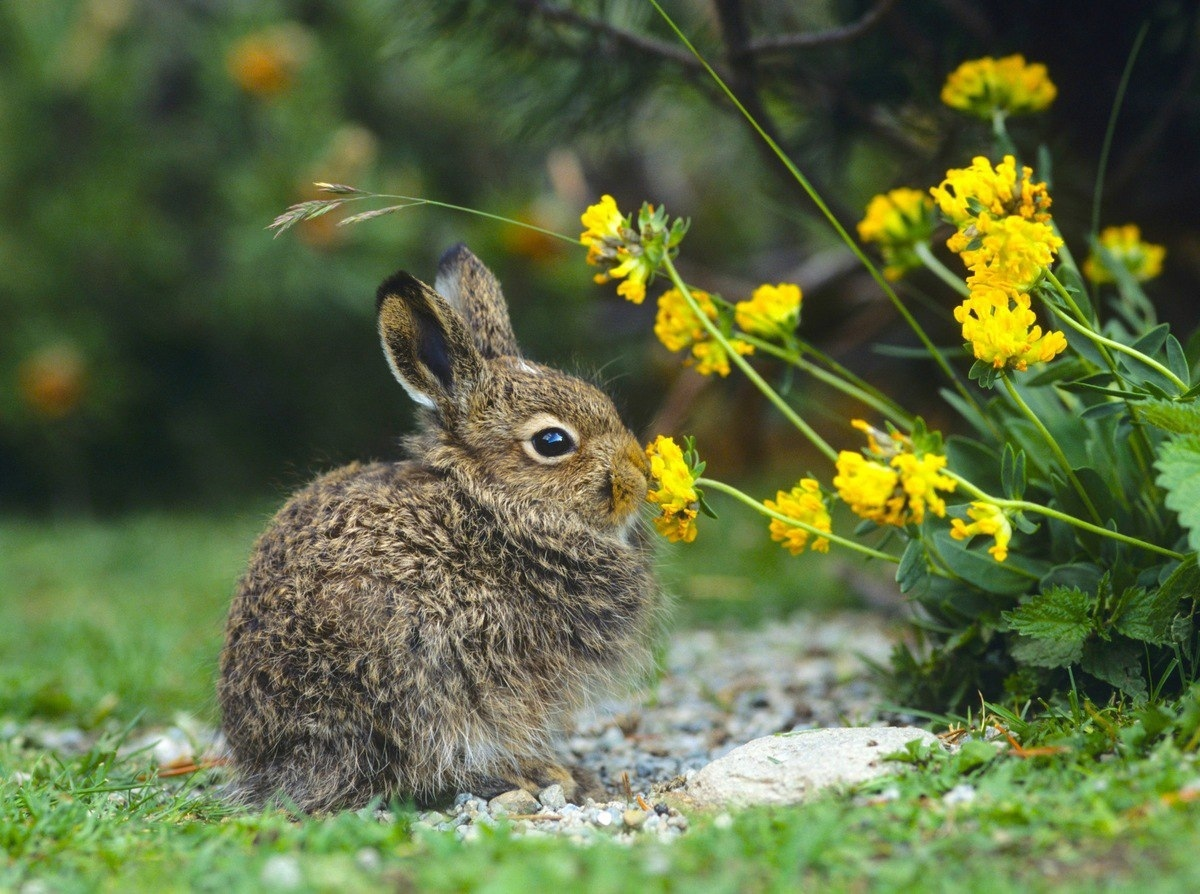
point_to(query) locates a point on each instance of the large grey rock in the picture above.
(787, 768)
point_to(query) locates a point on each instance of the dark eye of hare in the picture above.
(553, 442)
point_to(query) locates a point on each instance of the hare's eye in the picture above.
(553, 442)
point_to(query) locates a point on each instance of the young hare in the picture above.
(424, 627)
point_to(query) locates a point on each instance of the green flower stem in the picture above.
(940, 270)
(1105, 342)
(1038, 509)
(1141, 445)
(731, 491)
(799, 177)
(1054, 447)
(865, 395)
(747, 370)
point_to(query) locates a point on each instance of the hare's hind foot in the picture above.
(577, 783)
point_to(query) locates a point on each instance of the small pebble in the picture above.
(552, 796)
(516, 801)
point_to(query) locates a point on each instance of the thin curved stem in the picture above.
(823, 207)
(1038, 509)
(874, 400)
(747, 370)
(1101, 340)
(731, 491)
(1054, 447)
(940, 270)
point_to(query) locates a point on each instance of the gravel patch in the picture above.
(718, 689)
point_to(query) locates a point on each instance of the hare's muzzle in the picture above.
(630, 480)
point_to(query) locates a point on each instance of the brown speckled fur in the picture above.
(422, 627)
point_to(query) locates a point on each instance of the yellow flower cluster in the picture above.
(806, 504)
(678, 328)
(898, 220)
(1000, 191)
(267, 62)
(989, 520)
(987, 87)
(770, 310)
(1142, 259)
(895, 486)
(611, 241)
(1004, 236)
(674, 491)
(1002, 328)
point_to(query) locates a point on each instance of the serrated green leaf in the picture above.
(1044, 652)
(1178, 417)
(1178, 466)
(1147, 615)
(1118, 663)
(1062, 615)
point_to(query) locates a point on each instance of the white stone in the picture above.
(788, 768)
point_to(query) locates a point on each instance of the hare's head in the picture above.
(522, 430)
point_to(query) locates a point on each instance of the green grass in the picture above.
(112, 624)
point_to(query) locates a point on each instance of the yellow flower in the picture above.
(674, 491)
(986, 87)
(1002, 328)
(604, 223)
(869, 488)
(989, 520)
(804, 503)
(1142, 259)
(921, 480)
(1007, 250)
(771, 310)
(898, 220)
(1000, 191)
(611, 241)
(895, 485)
(678, 328)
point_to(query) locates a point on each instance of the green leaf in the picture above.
(913, 568)
(1148, 615)
(1149, 343)
(1104, 410)
(1177, 360)
(1015, 576)
(1012, 472)
(1061, 616)
(1178, 465)
(1118, 663)
(974, 460)
(1176, 417)
(1044, 652)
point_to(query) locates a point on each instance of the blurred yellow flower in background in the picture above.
(1007, 86)
(267, 62)
(770, 311)
(1142, 259)
(897, 221)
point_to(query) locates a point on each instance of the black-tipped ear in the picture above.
(426, 343)
(475, 293)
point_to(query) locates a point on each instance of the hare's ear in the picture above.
(426, 344)
(474, 292)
